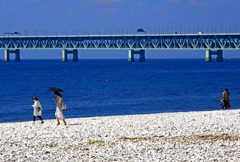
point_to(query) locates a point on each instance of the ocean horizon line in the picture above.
(70, 60)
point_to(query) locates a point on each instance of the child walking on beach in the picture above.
(37, 110)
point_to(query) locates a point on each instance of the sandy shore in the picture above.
(187, 136)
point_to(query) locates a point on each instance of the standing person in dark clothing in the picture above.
(225, 98)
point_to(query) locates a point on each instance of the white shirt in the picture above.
(35, 106)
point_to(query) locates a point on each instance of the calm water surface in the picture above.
(116, 87)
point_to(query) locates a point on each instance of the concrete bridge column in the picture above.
(66, 52)
(209, 54)
(17, 55)
(130, 55)
(208, 57)
(8, 52)
(75, 55)
(219, 56)
(7, 58)
(64, 56)
(142, 56)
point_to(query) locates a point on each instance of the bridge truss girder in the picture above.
(141, 42)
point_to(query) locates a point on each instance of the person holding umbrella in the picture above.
(59, 113)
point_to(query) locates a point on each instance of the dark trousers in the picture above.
(225, 104)
(38, 117)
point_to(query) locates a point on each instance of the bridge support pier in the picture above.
(7, 58)
(66, 52)
(64, 55)
(131, 54)
(209, 54)
(8, 52)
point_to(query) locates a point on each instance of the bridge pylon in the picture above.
(66, 52)
(8, 52)
(209, 54)
(131, 54)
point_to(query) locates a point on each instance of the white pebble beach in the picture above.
(182, 136)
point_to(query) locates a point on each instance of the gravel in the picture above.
(184, 136)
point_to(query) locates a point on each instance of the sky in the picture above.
(51, 17)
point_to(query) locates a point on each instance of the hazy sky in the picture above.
(38, 17)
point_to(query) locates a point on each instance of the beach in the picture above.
(181, 136)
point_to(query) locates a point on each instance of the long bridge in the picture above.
(214, 44)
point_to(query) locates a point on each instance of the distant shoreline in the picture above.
(122, 115)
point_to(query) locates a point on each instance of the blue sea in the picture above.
(116, 87)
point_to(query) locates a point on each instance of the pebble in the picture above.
(183, 136)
